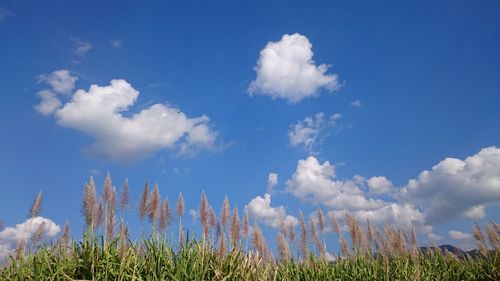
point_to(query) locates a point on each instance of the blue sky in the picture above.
(401, 87)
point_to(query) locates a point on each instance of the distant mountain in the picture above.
(452, 249)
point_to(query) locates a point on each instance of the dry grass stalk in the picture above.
(480, 239)
(20, 246)
(36, 237)
(224, 215)
(234, 227)
(314, 237)
(258, 240)
(123, 238)
(335, 223)
(124, 197)
(291, 232)
(180, 205)
(303, 236)
(354, 231)
(492, 236)
(321, 220)
(283, 247)
(283, 229)
(204, 215)
(36, 206)
(142, 207)
(110, 223)
(100, 217)
(89, 203)
(165, 216)
(245, 226)
(107, 187)
(414, 243)
(222, 244)
(343, 246)
(154, 204)
(66, 237)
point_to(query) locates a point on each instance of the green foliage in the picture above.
(160, 259)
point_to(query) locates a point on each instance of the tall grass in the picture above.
(223, 252)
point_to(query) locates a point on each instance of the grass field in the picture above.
(230, 249)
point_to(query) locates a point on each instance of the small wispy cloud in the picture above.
(311, 131)
(5, 13)
(81, 47)
(115, 43)
(356, 103)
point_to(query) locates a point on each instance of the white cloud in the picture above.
(260, 209)
(49, 102)
(81, 47)
(272, 181)
(380, 185)
(193, 213)
(10, 236)
(99, 112)
(311, 131)
(459, 235)
(356, 103)
(451, 189)
(315, 182)
(286, 70)
(457, 187)
(61, 81)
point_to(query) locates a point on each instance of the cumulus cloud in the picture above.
(259, 209)
(315, 182)
(459, 235)
(380, 185)
(286, 70)
(457, 187)
(311, 131)
(100, 113)
(451, 189)
(10, 236)
(272, 181)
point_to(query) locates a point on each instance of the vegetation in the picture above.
(223, 251)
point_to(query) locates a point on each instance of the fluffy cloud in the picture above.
(286, 70)
(457, 187)
(49, 102)
(99, 112)
(316, 183)
(451, 189)
(272, 181)
(459, 235)
(260, 209)
(311, 131)
(61, 81)
(10, 236)
(380, 185)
